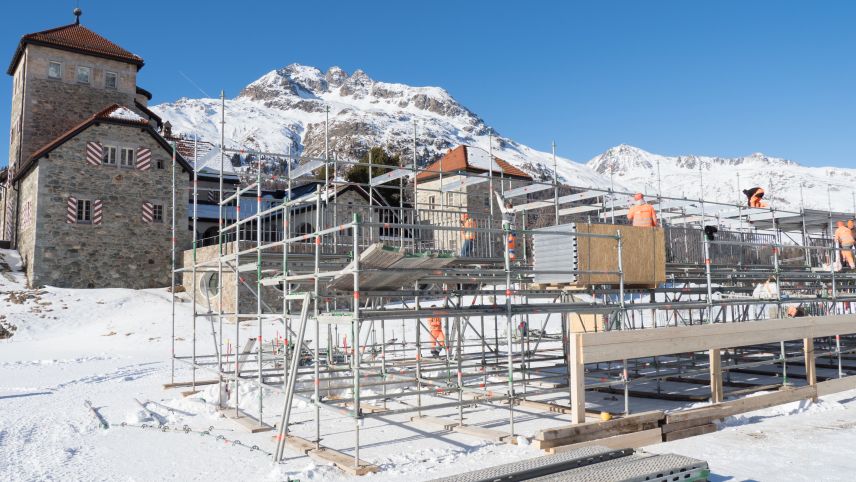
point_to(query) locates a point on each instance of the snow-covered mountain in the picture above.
(286, 109)
(786, 183)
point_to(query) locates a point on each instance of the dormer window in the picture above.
(54, 70)
(83, 74)
(111, 80)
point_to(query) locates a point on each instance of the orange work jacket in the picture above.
(643, 216)
(844, 236)
(469, 225)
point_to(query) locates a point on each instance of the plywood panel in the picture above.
(643, 255)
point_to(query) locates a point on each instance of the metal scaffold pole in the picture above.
(172, 270)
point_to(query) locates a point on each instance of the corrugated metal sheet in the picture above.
(555, 252)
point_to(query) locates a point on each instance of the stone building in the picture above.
(87, 192)
(460, 182)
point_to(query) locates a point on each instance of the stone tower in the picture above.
(61, 77)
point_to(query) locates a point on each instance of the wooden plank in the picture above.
(167, 386)
(576, 378)
(630, 440)
(689, 432)
(628, 422)
(810, 368)
(643, 255)
(482, 433)
(246, 420)
(603, 346)
(716, 394)
(443, 423)
(743, 405)
(343, 462)
(836, 385)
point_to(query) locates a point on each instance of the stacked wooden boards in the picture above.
(581, 260)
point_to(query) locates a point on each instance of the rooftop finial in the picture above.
(77, 13)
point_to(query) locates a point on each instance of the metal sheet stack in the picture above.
(554, 253)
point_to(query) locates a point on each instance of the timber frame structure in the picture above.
(702, 327)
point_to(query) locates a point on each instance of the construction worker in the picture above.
(436, 326)
(469, 235)
(844, 238)
(509, 218)
(641, 213)
(755, 196)
(795, 311)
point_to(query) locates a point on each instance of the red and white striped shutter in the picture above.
(71, 211)
(148, 212)
(144, 159)
(96, 211)
(94, 153)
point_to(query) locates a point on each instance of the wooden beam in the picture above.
(630, 440)
(743, 405)
(716, 394)
(576, 378)
(689, 432)
(614, 345)
(167, 386)
(810, 368)
(246, 420)
(836, 385)
(589, 428)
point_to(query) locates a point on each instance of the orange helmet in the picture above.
(638, 196)
(465, 216)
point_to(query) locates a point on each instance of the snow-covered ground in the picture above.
(112, 346)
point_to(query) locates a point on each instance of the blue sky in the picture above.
(673, 77)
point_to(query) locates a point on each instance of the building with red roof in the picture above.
(86, 198)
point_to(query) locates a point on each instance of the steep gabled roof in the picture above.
(75, 38)
(115, 114)
(470, 159)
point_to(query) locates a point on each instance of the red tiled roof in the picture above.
(457, 160)
(76, 38)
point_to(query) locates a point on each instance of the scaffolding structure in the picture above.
(346, 334)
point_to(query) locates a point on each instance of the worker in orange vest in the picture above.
(469, 234)
(436, 326)
(844, 237)
(641, 213)
(755, 196)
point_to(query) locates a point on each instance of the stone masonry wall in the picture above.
(27, 215)
(205, 284)
(53, 106)
(123, 251)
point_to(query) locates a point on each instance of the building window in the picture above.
(110, 154)
(159, 163)
(431, 202)
(84, 211)
(55, 70)
(111, 80)
(157, 213)
(210, 284)
(126, 157)
(83, 74)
